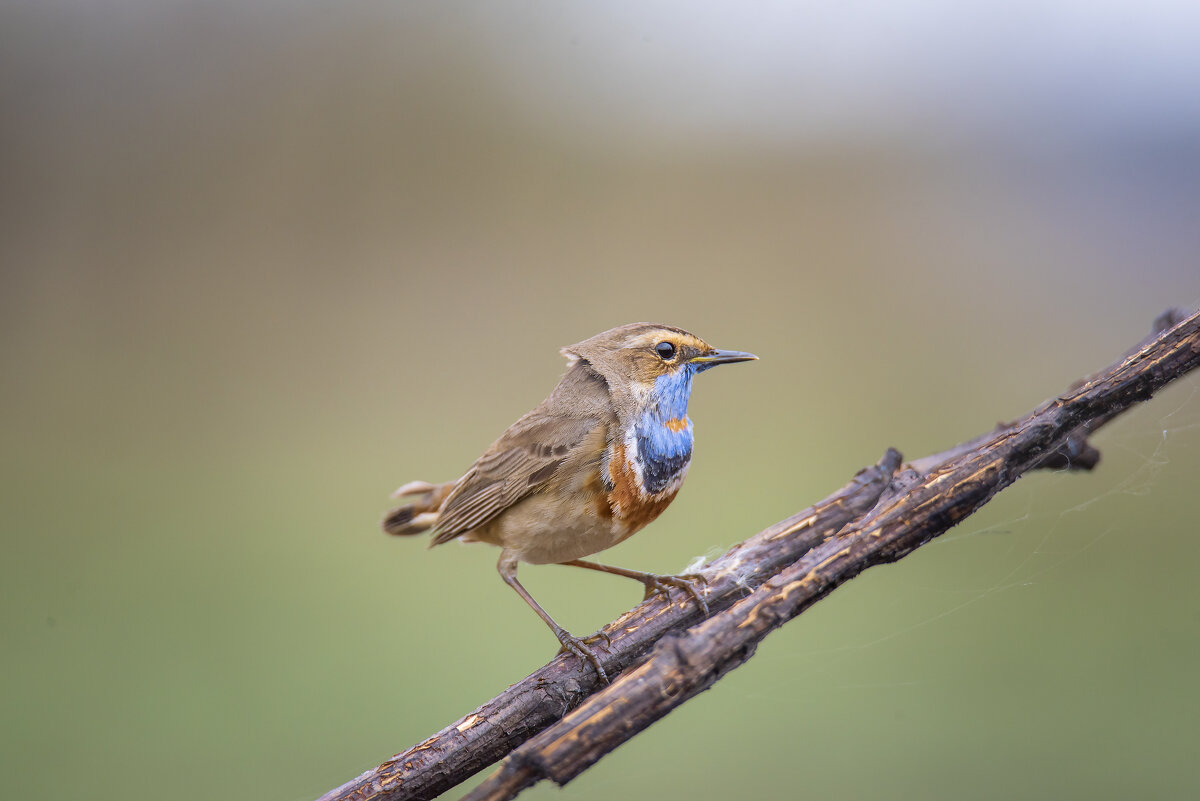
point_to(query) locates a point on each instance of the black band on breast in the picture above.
(659, 470)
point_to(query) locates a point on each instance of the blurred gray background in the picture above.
(262, 263)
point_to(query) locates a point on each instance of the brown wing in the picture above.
(528, 455)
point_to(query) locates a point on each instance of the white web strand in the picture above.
(1053, 549)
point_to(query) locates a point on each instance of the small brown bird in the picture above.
(594, 463)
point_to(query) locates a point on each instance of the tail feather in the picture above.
(414, 488)
(421, 513)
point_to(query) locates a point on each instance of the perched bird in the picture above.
(595, 462)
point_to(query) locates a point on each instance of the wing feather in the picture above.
(529, 455)
(497, 482)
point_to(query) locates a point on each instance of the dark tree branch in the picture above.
(484, 736)
(879, 517)
(921, 503)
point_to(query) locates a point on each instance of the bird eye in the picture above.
(665, 351)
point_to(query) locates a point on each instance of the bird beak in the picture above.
(716, 357)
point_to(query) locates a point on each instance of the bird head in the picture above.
(647, 364)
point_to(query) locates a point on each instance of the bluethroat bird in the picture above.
(595, 462)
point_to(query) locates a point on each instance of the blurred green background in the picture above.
(263, 263)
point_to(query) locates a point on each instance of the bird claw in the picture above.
(600, 635)
(576, 646)
(660, 585)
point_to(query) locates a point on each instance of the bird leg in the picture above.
(570, 643)
(654, 583)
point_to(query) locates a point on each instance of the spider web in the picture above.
(1033, 532)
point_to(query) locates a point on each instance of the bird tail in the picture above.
(422, 513)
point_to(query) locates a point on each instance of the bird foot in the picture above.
(688, 582)
(576, 646)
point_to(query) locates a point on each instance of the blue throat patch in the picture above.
(662, 453)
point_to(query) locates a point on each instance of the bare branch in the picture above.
(919, 506)
(880, 516)
(485, 735)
